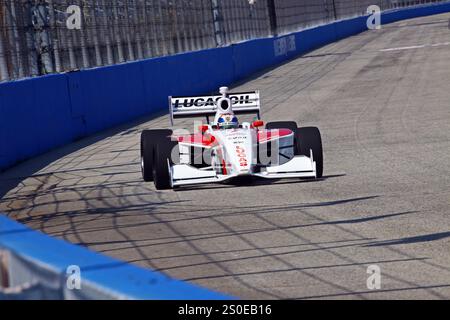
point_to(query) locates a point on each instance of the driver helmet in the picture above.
(227, 121)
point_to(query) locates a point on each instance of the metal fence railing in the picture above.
(39, 37)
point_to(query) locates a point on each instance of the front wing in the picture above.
(297, 167)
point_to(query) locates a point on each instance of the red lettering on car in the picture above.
(242, 156)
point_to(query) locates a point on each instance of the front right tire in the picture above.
(306, 139)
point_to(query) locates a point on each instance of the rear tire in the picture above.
(162, 153)
(149, 139)
(291, 125)
(306, 139)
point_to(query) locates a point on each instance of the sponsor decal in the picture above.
(284, 45)
(238, 137)
(242, 156)
(209, 101)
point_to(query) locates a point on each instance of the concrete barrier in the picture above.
(419, 11)
(35, 266)
(39, 114)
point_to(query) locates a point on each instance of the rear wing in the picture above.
(184, 107)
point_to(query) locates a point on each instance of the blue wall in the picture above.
(45, 256)
(39, 114)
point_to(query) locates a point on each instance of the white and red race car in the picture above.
(173, 158)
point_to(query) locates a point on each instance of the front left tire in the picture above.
(149, 139)
(306, 139)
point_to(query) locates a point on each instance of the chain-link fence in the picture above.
(39, 37)
(294, 15)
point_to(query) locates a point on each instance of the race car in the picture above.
(225, 150)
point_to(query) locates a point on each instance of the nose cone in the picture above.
(243, 157)
(240, 151)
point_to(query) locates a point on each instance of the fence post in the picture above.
(107, 26)
(129, 31)
(55, 40)
(4, 74)
(83, 35)
(272, 17)
(94, 33)
(334, 10)
(217, 22)
(42, 37)
(117, 31)
(17, 48)
(4, 275)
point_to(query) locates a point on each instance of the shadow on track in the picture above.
(409, 240)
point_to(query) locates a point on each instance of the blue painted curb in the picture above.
(107, 274)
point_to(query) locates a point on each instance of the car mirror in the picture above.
(257, 123)
(203, 128)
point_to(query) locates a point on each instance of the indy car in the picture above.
(225, 150)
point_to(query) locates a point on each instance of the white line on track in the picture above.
(416, 47)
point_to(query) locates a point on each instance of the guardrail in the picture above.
(42, 113)
(39, 37)
(36, 266)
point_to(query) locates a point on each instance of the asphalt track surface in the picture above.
(384, 200)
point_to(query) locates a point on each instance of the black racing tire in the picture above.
(163, 152)
(291, 125)
(149, 139)
(306, 139)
